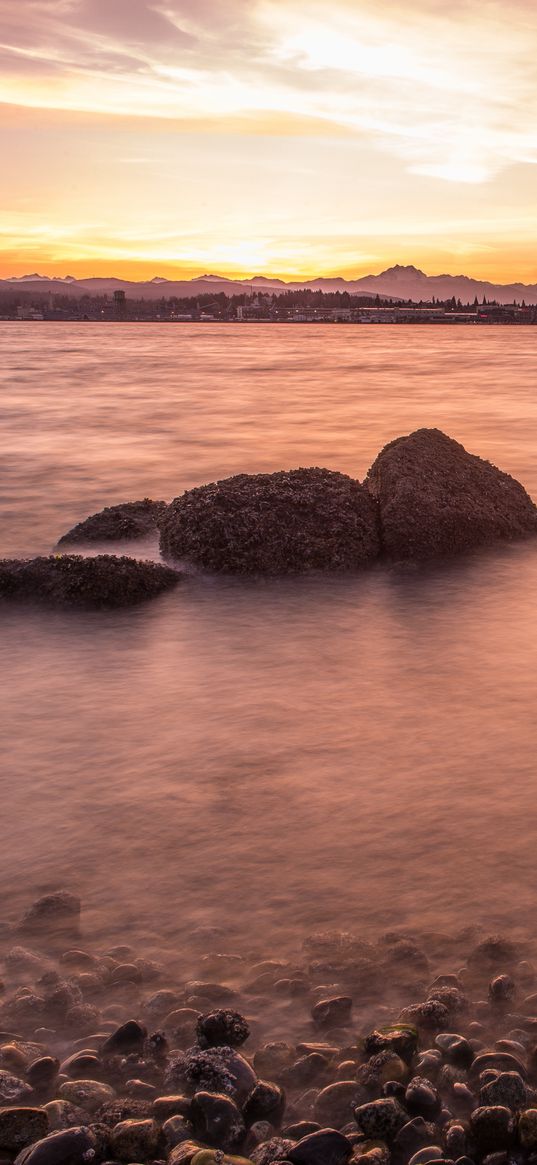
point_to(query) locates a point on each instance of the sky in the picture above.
(285, 137)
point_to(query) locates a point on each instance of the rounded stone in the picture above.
(277, 1149)
(506, 1088)
(69, 580)
(437, 500)
(527, 1128)
(88, 1094)
(127, 1039)
(128, 520)
(217, 1121)
(222, 1027)
(492, 1128)
(421, 1098)
(213, 1070)
(380, 1118)
(266, 1102)
(64, 1115)
(43, 1072)
(21, 1126)
(325, 1147)
(135, 1140)
(13, 1090)
(70, 1147)
(456, 1049)
(168, 1106)
(175, 1130)
(335, 1104)
(277, 523)
(332, 1012)
(396, 1038)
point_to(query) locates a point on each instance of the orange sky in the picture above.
(175, 137)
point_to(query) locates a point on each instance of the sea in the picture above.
(268, 757)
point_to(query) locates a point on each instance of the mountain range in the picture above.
(398, 282)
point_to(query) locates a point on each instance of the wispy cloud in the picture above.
(423, 99)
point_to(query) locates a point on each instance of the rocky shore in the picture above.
(425, 498)
(405, 1050)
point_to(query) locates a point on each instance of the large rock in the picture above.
(437, 500)
(273, 523)
(68, 580)
(127, 521)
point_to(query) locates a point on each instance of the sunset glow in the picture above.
(173, 137)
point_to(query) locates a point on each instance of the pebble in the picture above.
(325, 1147)
(217, 1121)
(336, 1010)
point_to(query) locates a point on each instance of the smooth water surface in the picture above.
(354, 752)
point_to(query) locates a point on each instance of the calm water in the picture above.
(356, 752)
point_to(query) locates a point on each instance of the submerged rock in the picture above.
(69, 580)
(128, 520)
(57, 911)
(437, 500)
(274, 523)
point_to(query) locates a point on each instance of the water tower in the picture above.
(120, 303)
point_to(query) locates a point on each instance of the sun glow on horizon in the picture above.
(273, 137)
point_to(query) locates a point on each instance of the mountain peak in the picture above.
(405, 271)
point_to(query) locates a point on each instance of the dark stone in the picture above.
(301, 1129)
(394, 1088)
(274, 523)
(21, 1126)
(69, 1147)
(421, 1098)
(266, 1102)
(114, 523)
(502, 989)
(60, 910)
(212, 1070)
(175, 1130)
(332, 1012)
(492, 1128)
(222, 1027)
(325, 1147)
(381, 1118)
(127, 1038)
(68, 580)
(455, 1049)
(305, 1070)
(398, 1038)
(432, 1015)
(507, 1088)
(82, 1066)
(113, 1112)
(412, 1136)
(216, 1121)
(13, 1090)
(167, 1106)
(42, 1073)
(183, 1153)
(500, 1061)
(493, 953)
(133, 1140)
(437, 500)
(277, 1149)
(335, 1105)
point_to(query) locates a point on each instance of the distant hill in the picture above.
(397, 282)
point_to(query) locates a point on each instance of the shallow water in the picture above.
(267, 756)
